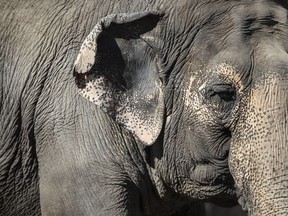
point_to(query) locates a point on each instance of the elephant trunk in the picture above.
(258, 157)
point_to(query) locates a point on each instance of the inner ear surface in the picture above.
(109, 61)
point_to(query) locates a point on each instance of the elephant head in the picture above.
(193, 86)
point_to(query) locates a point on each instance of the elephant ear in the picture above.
(116, 69)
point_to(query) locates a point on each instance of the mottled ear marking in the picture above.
(117, 70)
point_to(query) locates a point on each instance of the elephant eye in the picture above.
(222, 96)
(224, 92)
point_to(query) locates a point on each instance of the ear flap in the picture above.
(117, 70)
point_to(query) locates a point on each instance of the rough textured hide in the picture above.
(205, 80)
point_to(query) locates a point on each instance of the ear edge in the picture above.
(122, 26)
(113, 25)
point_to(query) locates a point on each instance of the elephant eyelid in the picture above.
(225, 92)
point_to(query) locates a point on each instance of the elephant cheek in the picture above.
(258, 156)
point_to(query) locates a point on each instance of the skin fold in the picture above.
(143, 107)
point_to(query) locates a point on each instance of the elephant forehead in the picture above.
(271, 90)
(230, 73)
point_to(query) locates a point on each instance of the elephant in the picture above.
(147, 107)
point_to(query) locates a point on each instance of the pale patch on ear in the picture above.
(131, 112)
(136, 117)
(86, 57)
(99, 91)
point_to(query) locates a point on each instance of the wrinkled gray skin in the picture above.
(200, 78)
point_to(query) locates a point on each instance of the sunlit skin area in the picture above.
(144, 107)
